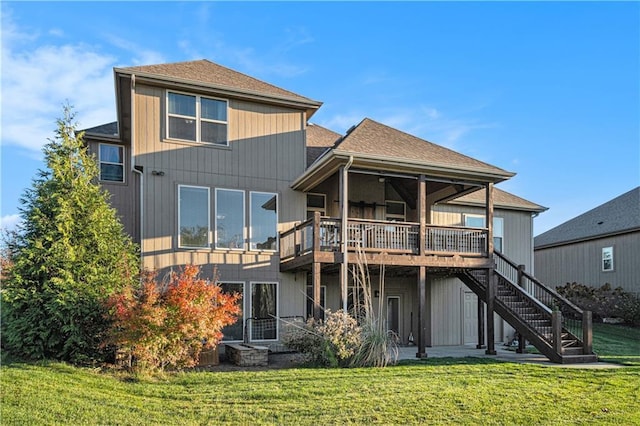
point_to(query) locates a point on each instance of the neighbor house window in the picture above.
(263, 221)
(478, 221)
(264, 311)
(234, 332)
(229, 219)
(323, 298)
(396, 210)
(607, 258)
(193, 216)
(316, 203)
(111, 159)
(196, 118)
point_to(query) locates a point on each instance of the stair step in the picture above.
(573, 351)
(578, 359)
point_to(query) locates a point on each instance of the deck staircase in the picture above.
(555, 326)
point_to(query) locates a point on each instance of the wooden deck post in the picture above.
(315, 285)
(480, 344)
(556, 331)
(422, 214)
(587, 333)
(491, 293)
(422, 312)
(344, 213)
(489, 219)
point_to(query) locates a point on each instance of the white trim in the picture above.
(100, 161)
(208, 217)
(250, 226)
(198, 117)
(244, 222)
(277, 316)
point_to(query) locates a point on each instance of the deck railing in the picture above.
(381, 236)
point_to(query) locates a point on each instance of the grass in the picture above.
(460, 391)
(617, 343)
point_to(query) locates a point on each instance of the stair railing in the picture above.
(570, 317)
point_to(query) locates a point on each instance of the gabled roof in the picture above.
(620, 215)
(373, 138)
(374, 146)
(501, 199)
(319, 140)
(206, 73)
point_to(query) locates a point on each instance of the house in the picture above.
(213, 167)
(597, 247)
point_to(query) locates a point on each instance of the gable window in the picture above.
(396, 210)
(111, 158)
(316, 203)
(229, 219)
(264, 311)
(607, 259)
(196, 118)
(478, 221)
(263, 221)
(234, 332)
(193, 216)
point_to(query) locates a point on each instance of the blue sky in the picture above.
(545, 89)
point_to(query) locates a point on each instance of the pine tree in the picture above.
(70, 254)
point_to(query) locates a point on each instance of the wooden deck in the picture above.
(319, 239)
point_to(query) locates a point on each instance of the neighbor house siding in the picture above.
(581, 262)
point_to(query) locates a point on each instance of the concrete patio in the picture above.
(503, 354)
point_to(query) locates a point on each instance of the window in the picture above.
(229, 219)
(263, 226)
(196, 118)
(477, 221)
(264, 311)
(316, 203)
(395, 210)
(193, 216)
(607, 259)
(235, 331)
(323, 293)
(111, 163)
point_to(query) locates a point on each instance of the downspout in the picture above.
(343, 228)
(133, 165)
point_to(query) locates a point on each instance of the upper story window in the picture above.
(396, 210)
(196, 118)
(111, 159)
(607, 259)
(193, 216)
(478, 221)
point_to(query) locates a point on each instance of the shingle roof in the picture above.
(371, 137)
(501, 199)
(618, 215)
(109, 129)
(319, 140)
(206, 72)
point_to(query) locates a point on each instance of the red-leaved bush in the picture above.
(159, 326)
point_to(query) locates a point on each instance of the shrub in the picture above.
(604, 302)
(329, 343)
(162, 326)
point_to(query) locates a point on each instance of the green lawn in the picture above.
(471, 391)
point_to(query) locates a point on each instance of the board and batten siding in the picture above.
(447, 294)
(581, 262)
(266, 153)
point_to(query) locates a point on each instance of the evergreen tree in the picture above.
(69, 255)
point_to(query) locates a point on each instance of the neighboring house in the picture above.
(597, 247)
(213, 167)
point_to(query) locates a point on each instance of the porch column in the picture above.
(422, 312)
(422, 213)
(491, 292)
(344, 214)
(489, 219)
(480, 344)
(315, 285)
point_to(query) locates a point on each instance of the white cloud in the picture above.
(9, 222)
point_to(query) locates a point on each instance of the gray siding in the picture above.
(582, 263)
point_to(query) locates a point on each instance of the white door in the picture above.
(469, 317)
